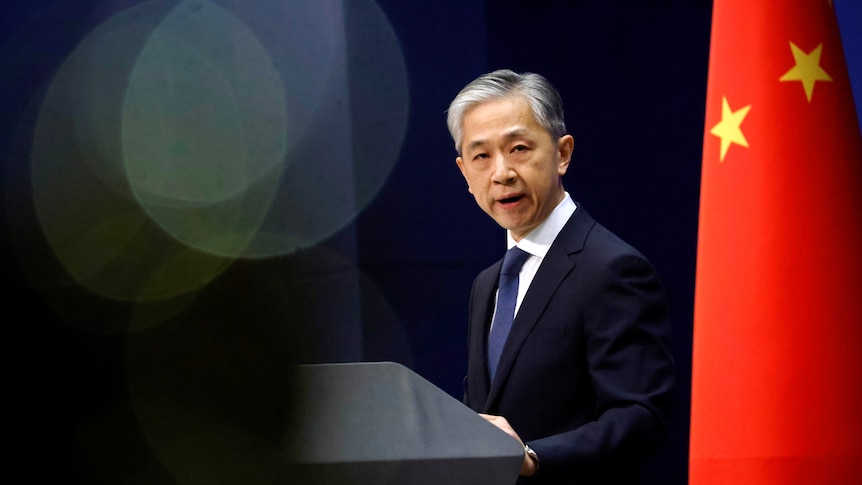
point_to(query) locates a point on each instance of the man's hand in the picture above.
(528, 467)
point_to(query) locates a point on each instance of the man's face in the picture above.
(512, 165)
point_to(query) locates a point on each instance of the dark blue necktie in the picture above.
(507, 296)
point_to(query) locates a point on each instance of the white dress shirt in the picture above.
(537, 242)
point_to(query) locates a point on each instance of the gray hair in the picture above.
(539, 92)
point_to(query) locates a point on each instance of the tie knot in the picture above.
(513, 260)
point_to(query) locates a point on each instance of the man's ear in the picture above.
(460, 163)
(565, 147)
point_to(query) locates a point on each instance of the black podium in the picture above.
(380, 423)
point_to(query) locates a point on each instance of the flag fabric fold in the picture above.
(777, 356)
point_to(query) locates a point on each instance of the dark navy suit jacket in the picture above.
(586, 372)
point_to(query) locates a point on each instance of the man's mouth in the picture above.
(511, 200)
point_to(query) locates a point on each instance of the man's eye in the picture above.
(480, 156)
(519, 148)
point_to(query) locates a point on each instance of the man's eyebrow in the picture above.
(475, 144)
(513, 133)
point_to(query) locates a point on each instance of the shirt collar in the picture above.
(539, 240)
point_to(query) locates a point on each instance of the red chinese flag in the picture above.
(777, 358)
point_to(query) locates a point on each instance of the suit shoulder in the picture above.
(583, 234)
(604, 241)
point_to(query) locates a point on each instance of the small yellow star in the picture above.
(807, 69)
(728, 129)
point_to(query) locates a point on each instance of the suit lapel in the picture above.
(556, 266)
(482, 308)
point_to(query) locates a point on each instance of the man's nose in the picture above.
(503, 172)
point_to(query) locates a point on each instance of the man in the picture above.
(583, 373)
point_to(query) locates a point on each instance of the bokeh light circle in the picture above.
(348, 142)
(210, 152)
(204, 122)
(179, 136)
(88, 215)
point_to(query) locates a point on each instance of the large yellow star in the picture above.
(807, 69)
(728, 129)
